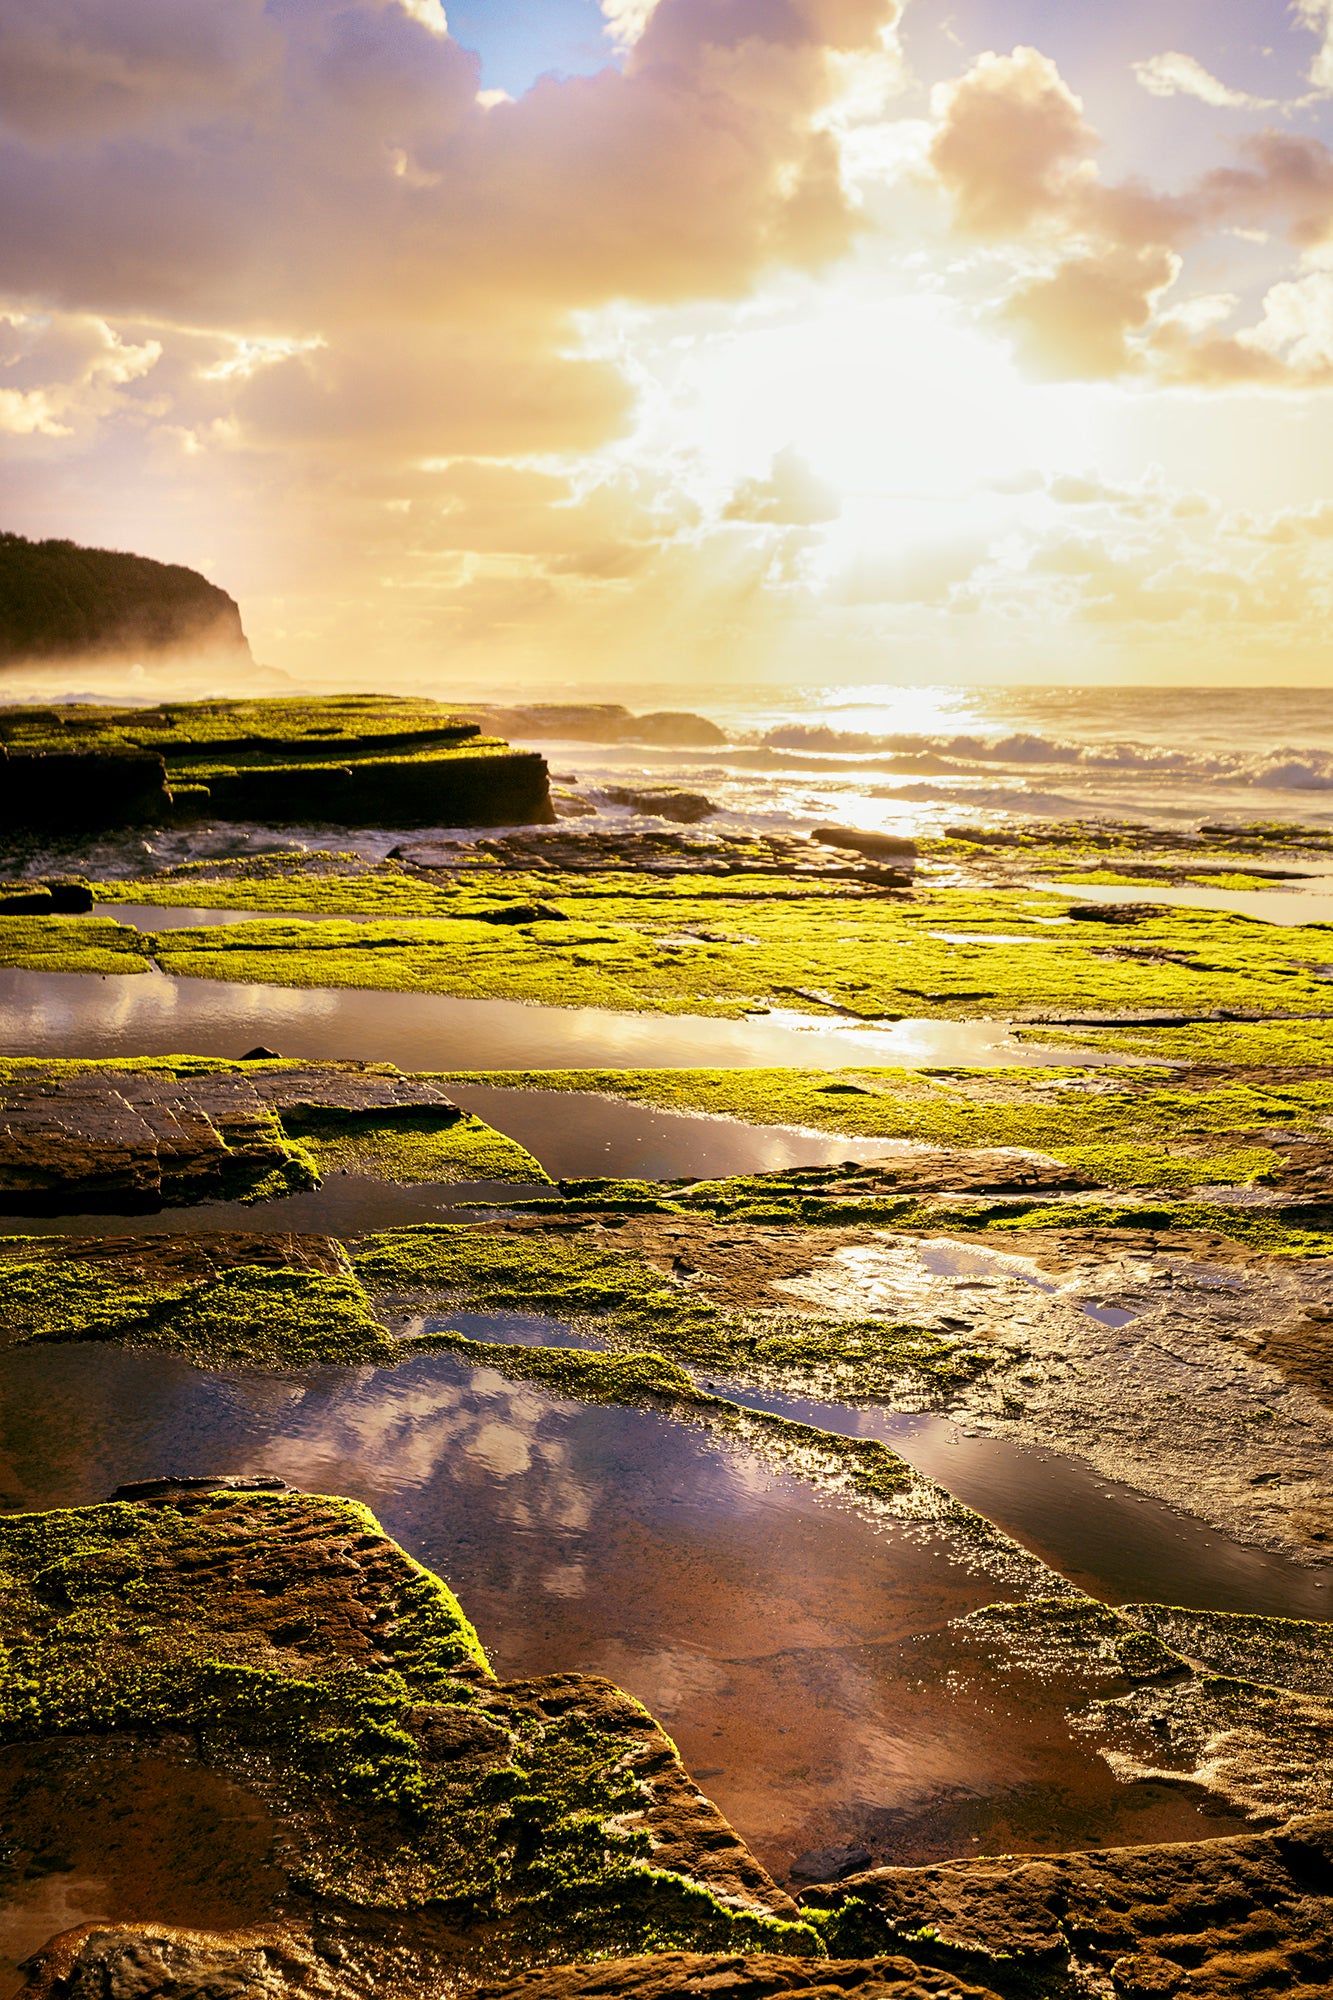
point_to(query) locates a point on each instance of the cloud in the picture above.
(1317, 15)
(58, 373)
(790, 497)
(1175, 75)
(1014, 151)
(286, 168)
(1078, 321)
(1011, 142)
(626, 20)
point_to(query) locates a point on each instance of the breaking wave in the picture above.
(1278, 769)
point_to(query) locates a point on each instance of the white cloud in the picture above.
(428, 14)
(1175, 75)
(627, 19)
(792, 496)
(1317, 15)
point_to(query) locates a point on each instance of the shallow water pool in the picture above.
(150, 1013)
(800, 1655)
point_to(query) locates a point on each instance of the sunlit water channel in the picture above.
(151, 1013)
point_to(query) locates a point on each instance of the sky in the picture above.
(554, 344)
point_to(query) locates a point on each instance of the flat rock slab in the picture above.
(601, 851)
(145, 1139)
(1227, 1919)
(176, 1260)
(133, 1962)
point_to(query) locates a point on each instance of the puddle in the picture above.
(576, 1134)
(982, 937)
(509, 1328)
(1300, 903)
(95, 1832)
(89, 1014)
(1116, 1544)
(944, 1259)
(1110, 1315)
(799, 1655)
(344, 1205)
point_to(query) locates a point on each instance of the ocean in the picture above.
(916, 759)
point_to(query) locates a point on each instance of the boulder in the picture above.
(873, 845)
(308, 1751)
(662, 803)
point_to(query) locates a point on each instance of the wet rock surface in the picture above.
(396, 1812)
(601, 851)
(676, 1975)
(185, 1259)
(1226, 1919)
(140, 1139)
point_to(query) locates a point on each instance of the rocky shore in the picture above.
(251, 1748)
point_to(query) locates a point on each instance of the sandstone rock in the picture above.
(656, 851)
(679, 1975)
(355, 760)
(1215, 1920)
(124, 1139)
(184, 1259)
(396, 1819)
(662, 802)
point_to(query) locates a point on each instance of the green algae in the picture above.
(1291, 1653)
(411, 1146)
(722, 946)
(632, 1308)
(210, 1617)
(1303, 1230)
(249, 1315)
(623, 1378)
(1233, 1044)
(312, 725)
(1274, 1232)
(72, 944)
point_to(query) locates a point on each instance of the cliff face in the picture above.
(60, 601)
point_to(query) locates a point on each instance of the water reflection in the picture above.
(801, 1656)
(148, 1013)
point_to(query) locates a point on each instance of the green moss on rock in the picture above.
(438, 1816)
